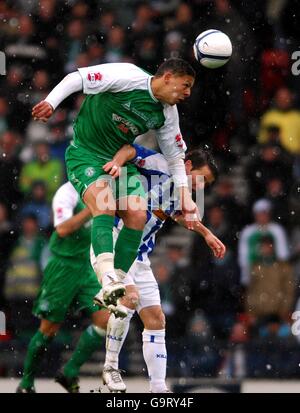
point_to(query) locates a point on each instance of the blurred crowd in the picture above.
(247, 113)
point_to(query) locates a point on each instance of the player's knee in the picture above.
(130, 300)
(156, 322)
(140, 219)
(161, 322)
(135, 219)
(100, 319)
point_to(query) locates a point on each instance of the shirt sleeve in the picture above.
(281, 242)
(64, 203)
(243, 255)
(169, 136)
(116, 77)
(70, 84)
(150, 160)
(172, 145)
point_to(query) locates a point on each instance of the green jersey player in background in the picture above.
(123, 101)
(68, 282)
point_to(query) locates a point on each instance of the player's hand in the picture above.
(112, 168)
(42, 111)
(217, 247)
(189, 208)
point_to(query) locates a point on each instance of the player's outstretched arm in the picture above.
(74, 223)
(70, 84)
(125, 154)
(217, 247)
(189, 209)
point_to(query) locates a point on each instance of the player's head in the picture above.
(173, 81)
(199, 162)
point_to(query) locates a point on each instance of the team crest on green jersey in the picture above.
(90, 171)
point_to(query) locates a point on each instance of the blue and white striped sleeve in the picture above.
(150, 160)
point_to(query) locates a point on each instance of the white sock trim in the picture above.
(154, 336)
(105, 266)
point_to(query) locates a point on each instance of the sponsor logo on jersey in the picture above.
(90, 171)
(59, 212)
(141, 162)
(127, 105)
(94, 77)
(123, 128)
(125, 125)
(179, 140)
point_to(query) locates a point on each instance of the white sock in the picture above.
(155, 356)
(116, 332)
(105, 268)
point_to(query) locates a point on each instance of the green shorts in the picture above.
(67, 284)
(85, 168)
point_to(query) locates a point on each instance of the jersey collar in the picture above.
(150, 89)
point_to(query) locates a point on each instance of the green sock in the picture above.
(89, 341)
(35, 352)
(102, 237)
(126, 248)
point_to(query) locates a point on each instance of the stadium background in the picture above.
(229, 319)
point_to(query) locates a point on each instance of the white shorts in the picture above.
(141, 275)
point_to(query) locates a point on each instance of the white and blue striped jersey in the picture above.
(158, 184)
(161, 195)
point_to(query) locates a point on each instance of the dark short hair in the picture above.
(201, 157)
(176, 66)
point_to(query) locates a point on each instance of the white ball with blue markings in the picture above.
(212, 48)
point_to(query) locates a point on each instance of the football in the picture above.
(212, 48)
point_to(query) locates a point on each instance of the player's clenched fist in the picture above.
(112, 169)
(217, 247)
(42, 111)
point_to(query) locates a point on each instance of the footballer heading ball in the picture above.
(212, 48)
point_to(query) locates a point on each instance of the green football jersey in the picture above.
(67, 203)
(120, 106)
